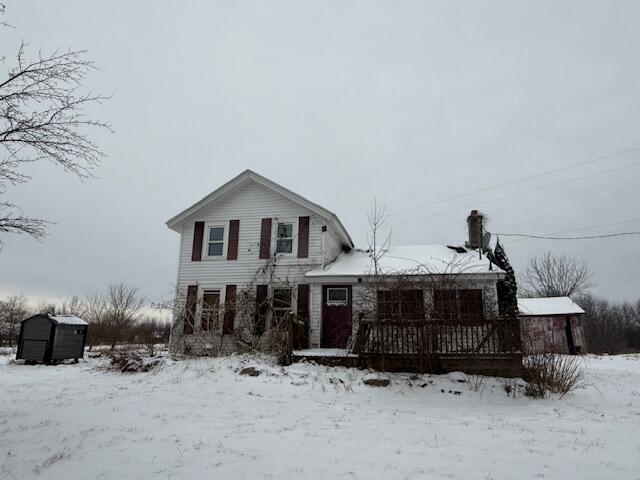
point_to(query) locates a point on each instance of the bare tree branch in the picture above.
(552, 275)
(42, 116)
(12, 221)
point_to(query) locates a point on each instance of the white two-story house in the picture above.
(255, 238)
(252, 252)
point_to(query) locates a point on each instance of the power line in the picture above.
(511, 182)
(524, 192)
(631, 220)
(542, 237)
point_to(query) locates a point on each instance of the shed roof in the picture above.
(62, 319)
(410, 260)
(68, 320)
(548, 306)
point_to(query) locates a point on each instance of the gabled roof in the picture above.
(251, 176)
(548, 306)
(411, 260)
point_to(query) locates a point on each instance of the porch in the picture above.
(435, 346)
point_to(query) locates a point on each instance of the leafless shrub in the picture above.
(132, 361)
(512, 386)
(475, 382)
(549, 373)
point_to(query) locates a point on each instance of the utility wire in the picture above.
(542, 237)
(511, 182)
(631, 220)
(524, 192)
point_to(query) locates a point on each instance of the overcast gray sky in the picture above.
(410, 102)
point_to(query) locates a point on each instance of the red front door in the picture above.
(336, 315)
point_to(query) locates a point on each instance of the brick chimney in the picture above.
(475, 224)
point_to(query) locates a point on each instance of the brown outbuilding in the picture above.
(551, 325)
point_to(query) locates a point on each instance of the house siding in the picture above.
(361, 295)
(250, 204)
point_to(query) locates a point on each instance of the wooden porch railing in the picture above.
(436, 337)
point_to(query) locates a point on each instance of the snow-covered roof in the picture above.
(548, 306)
(67, 320)
(410, 260)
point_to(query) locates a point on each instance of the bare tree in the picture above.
(42, 117)
(552, 275)
(377, 245)
(123, 307)
(72, 306)
(95, 312)
(12, 311)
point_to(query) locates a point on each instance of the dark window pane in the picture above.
(210, 302)
(337, 294)
(285, 230)
(471, 305)
(215, 249)
(281, 303)
(444, 303)
(216, 234)
(400, 305)
(284, 246)
(282, 298)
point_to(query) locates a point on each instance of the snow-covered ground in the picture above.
(201, 419)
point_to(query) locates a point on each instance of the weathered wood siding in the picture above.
(542, 334)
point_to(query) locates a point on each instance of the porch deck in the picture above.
(488, 347)
(497, 364)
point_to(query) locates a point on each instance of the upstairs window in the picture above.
(284, 239)
(215, 245)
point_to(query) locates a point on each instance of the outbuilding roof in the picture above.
(410, 260)
(68, 320)
(548, 306)
(63, 319)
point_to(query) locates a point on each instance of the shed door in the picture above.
(336, 315)
(33, 350)
(571, 346)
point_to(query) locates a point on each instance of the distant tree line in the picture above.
(610, 327)
(115, 317)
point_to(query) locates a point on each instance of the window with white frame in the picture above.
(215, 241)
(210, 309)
(337, 296)
(284, 239)
(281, 303)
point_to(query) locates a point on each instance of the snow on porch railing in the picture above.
(436, 337)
